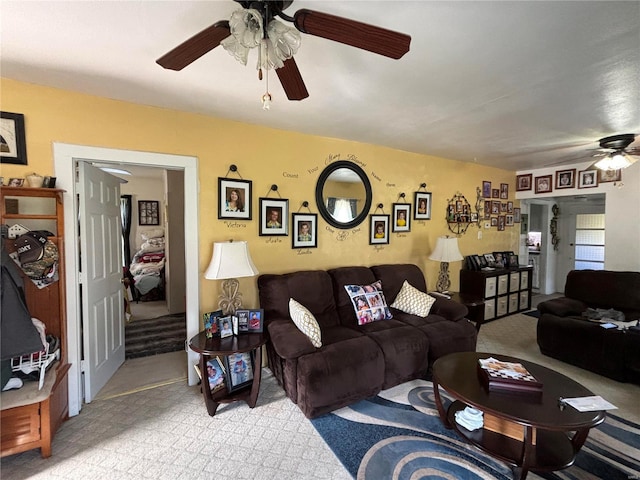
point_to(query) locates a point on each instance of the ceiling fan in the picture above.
(615, 152)
(255, 26)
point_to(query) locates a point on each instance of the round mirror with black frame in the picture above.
(343, 194)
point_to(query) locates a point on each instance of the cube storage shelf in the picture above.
(505, 291)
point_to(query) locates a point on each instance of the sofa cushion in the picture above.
(411, 300)
(368, 302)
(306, 322)
(393, 276)
(311, 288)
(605, 289)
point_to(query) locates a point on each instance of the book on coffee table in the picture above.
(506, 376)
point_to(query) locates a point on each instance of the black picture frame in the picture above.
(225, 325)
(241, 209)
(256, 321)
(378, 229)
(239, 369)
(13, 143)
(504, 191)
(210, 321)
(304, 227)
(422, 206)
(148, 212)
(216, 374)
(401, 217)
(243, 320)
(274, 217)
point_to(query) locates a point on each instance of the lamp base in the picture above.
(230, 298)
(443, 278)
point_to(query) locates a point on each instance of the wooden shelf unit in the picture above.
(30, 418)
(504, 291)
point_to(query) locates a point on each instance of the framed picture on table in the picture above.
(239, 367)
(256, 321)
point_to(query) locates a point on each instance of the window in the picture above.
(589, 245)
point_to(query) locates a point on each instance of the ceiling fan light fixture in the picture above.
(615, 161)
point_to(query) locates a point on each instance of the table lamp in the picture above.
(230, 261)
(446, 251)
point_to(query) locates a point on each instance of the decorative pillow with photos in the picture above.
(413, 301)
(369, 303)
(306, 322)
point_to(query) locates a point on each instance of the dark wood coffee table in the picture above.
(540, 415)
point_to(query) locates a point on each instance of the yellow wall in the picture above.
(266, 156)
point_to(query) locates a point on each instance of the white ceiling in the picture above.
(517, 85)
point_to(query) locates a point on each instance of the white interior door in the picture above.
(101, 285)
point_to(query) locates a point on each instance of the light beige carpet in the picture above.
(143, 373)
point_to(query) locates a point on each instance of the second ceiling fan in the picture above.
(255, 25)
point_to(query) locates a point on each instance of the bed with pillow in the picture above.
(342, 335)
(147, 267)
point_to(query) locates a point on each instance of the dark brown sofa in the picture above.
(564, 333)
(355, 361)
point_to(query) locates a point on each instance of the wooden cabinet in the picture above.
(505, 291)
(30, 416)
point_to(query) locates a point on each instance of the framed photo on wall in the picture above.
(587, 179)
(235, 199)
(566, 178)
(495, 193)
(422, 206)
(305, 230)
(274, 216)
(609, 176)
(543, 184)
(523, 182)
(401, 217)
(378, 229)
(13, 146)
(486, 189)
(504, 190)
(239, 367)
(148, 212)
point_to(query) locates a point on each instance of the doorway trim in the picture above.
(65, 157)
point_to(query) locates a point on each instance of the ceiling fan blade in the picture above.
(192, 49)
(291, 80)
(350, 32)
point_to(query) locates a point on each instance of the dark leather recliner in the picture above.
(565, 334)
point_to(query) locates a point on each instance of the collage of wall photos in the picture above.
(569, 178)
(498, 209)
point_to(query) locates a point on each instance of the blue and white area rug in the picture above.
(398, 435)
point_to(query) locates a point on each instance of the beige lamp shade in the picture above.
(446, 250)
(230, 260)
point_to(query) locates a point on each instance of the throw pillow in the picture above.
(306, 322)
(369, 303)
(413, 301)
